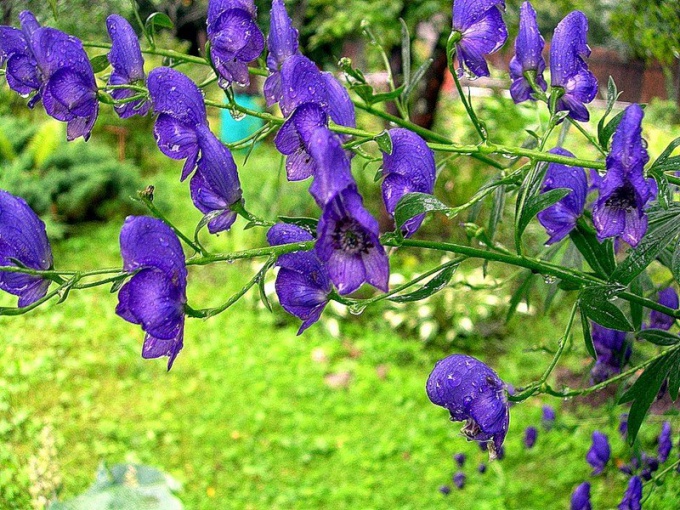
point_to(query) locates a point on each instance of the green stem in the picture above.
(147, 201)
(251, 254)
(588, 136)
(21, 311)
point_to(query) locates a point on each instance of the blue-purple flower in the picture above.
(459, 479)
(301, 82)
(613, 352)
(155, 296)
(528, 56)
(459, 458)
(16, 52)
(624, 191)
(332, 166)
(481, 468)
(548, 417)
(472, 392)
(235, 39)
(657, 320)
(302, 284)
(568, 68)
(623, 425)
(23, 242)
(665, 442)
(530, 436)
(599, 453)
(282, 43)
(632, 496)
(445, 490)
(348, 244)
(128, 66)
(580, 498)
(481, 30)
(410, 168)
(560, 218)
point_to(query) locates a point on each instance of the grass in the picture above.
(254, 417)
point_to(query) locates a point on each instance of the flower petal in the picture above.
(174, 94)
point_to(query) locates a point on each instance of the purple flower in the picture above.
(333, 170)
(459, 479)
(623, 425)
(128, 66)
(580, 498)
(302, 283)
(282, 43)
(481, 468)
(482, 31)
(559, 219)
(301, 82)
(568, 68)
(459, 458)
(528, 56)
(409, 168)
(665, 442)
(548, 417)
(348, 244)
(215, 186)
(624, 192)
(472, 392)
(155, 296)
(22, 238)
(445, 490)
(182, 116)
(599, 452)
(613, 352)
(340, 106)
(530, 435)
(667, 297)
(632, 496)
(235, 39)
(22, 72)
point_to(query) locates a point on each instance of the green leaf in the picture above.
(664, 225)
(674, 381)
(385, 96)
(433, 286)
(599, 256)
(309, 224)
(497, 209)
(643, 392)
(158, 20)
(658, 337)
(405, 52)
(384, 141)
(587, 336)
(522, 291)
(417, 76)
(263, 294)
(596, 304)
(99, 63)
(636, 308)
(53, 6)
(413, 204)
(665, 155)
(536, 204)
(612, 96)
(675, 262)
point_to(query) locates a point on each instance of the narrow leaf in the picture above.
(599, 256)
(587, 336)
(413, 204)
(99, 63)
(596, 304)
(658, 337)
(521, 292)
(308, 224)
(536, 204)
(636, 308)
(384, 141)
(417, 76)
(431, 287)
(405, 53)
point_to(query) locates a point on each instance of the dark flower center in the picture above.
(350, 237)
(624, 198)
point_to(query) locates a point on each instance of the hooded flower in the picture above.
(665, 442)
(530, 436)
(473, 393)
(560, 218)
(459, 479)
(613, 352)
(282, 43)
(23, 239)
(632, 496)
(16, 51)
(301, 82)
(657, 320)
(548, 417)
(568, 68)
(348, 244)
(624, 191)
(580, 498)
(182, 117)
(599, 452)
(155, 296)
(302, 283)
(333, 170)
(410, 168)
(482, 31)
(528, 56)
(235, 39)
(128, 66)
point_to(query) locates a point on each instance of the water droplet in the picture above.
(549, 279)
(236, 114)
(357, 309)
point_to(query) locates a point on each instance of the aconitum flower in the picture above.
(23, 239)
(528, 56)
(560, 218)
(632, 496)
(333, 169)
(302, 284)
(348, 244)
(530, 435)
(459, 458)
(282, 43)
(665, 442)
(16, 52)
(409, 168)
(235, 39)
(599, 453)
(445, 490)
(613, 352)
(548, 417)
(623, 425)
(481, 31)
(624, 192)
(481, 468)
(155, 296)
(182, 115)
(459, 479)
(667, 297)
(472, 392)
(568, 68)
(301, 82)
(128, 66)
(580, 498)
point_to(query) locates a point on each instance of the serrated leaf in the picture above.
(413, 204)
(599, 256)
(595, 303)
(384, 141)
(160, 20)
(99, 63)
(645, 389)
(309, 224)
(658, 337)
(417, 76)
(587, 336)
(536, 204)
(433, 286)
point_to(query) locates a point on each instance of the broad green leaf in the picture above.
(599, 256)
(384, 142)
(433, 286)
(413, 204)
(659, 336)
(587, 336)
(536, 204)
(596, 303)
(99, 63)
